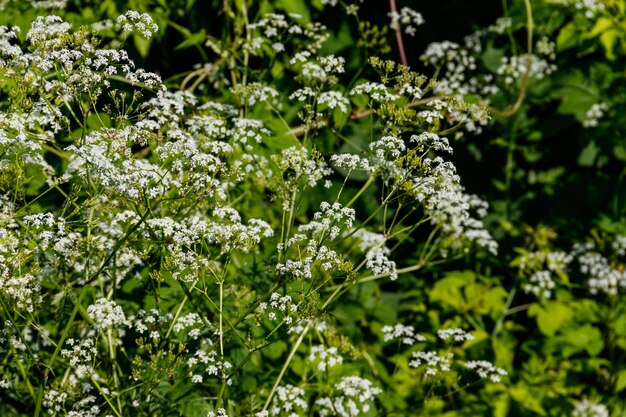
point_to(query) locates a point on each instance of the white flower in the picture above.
(141, 24)
(586, 408)
(486, 369)
(459, 335)
(106, 314)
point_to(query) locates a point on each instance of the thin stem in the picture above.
(526, 79)
(286, 365)
(221, 284)
(358, 194)
(106, 398)
(398, 30)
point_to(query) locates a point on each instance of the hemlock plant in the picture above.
(242, 244)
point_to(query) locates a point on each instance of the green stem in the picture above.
(286, 365)
(369, 181)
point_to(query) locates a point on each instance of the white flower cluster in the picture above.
(540, 268)
(48, 4)
(274, 29)
(22, 291)
(514, 68)
(249, 129)
(586, 408)
(81, 357)
(333, 100)
(152, 323)
(474, 41)
(376, 91)
(139, 23)
(191, 323)
(406, 18)
(19, 141)
(280, 305)
(325, 357)
(590, 7)
(619, 245)
(426, 141)
(319, 72)
(288, 400)
(432, 361)
(226, 232)
(376, 253)
(456, 334)
(255, 92)
(540, 284)
(594, 114)
(220, 413)
(350, 162)
(309, 253)
(406, 334)
(296, 161)
(307, 245)
(329, 220)
(546, 48)
(106, 314)
(457, 62)
(388, 147)
(439, 190)
(554, 261)
(54, 400)
(207, 362)
(604, 277)
(486, 370)
(377, 261)
(353, 398)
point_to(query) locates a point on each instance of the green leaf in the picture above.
(575, 100)
(492, 58)
(275, 350)
(298, 7)
(504, 348)
(620, 383)
(551, 316)
(602, 24)
(448, 290)
(501, 406)
(142, 45)
(527, 399)
(567, 37)
(608, 40)
(192, 40)
(585, 338)
(619, 325)
(96, 121)
(588, 155)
